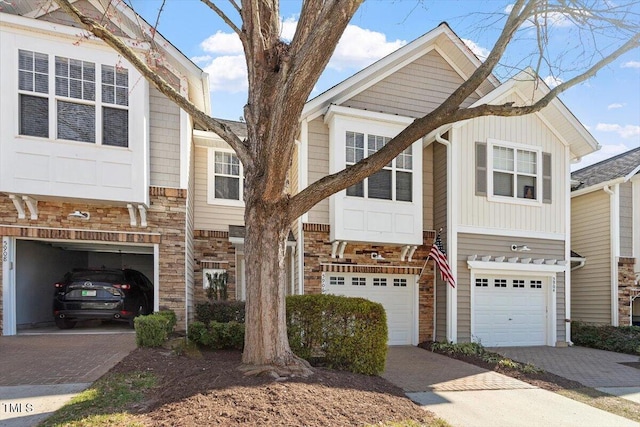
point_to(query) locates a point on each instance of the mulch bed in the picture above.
(211, 391)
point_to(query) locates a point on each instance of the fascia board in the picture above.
(597, 187)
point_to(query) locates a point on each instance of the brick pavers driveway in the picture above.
(591, 367)
(60, 359)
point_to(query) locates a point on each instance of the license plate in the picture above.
(90, 293)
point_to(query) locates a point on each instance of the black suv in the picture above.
(101, 294)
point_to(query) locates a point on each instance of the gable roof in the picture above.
(623, 166)
(130, 25)
(441, 38)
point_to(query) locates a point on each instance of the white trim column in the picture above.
(8, 286)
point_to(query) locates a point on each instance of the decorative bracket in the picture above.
(143, 215)
(32, 204)
(132, 215)
(337, 249)
(19, 204)
(407, 252)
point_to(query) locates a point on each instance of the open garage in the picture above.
(34, 266)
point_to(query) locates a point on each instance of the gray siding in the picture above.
(439, 207)
(318, 153)
(189, 247)
(427, 188)
(626, 219)
(482, 244)
(414, 90)
(164, 134)
(590, 237)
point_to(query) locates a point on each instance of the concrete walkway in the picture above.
(40, 373)
(468, 396)
(603, 370)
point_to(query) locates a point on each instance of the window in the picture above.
(517, 283)
(82, 113)
(227, 176)
(515, 172)
(535, 284)
(500, 283)
(336, 281)
(400, 282)
(482, 283)
(379, 281)
(358, 281)
(393, 182)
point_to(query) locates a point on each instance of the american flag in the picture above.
(440, 257)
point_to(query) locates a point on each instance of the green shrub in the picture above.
(621, 339)
(216, 335)
(218, 288)
(341, 332)
(220, 311)
(151, 330)
(170, 315)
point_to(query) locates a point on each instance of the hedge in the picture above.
(217, 335)
(342, 332)
(154, 329)
(220, 311)
(621, 339)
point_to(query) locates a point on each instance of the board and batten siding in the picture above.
(211, 216)
(414, 90)
(590, 237)
(164, 136)
(318, 162)
(439, 209)
(427, 188)
(626, 219)
(483, 244)
(479, 211)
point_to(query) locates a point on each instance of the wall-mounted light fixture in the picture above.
(376, 255)
(79, 215)
(520, 248)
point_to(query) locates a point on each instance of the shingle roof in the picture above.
(239, 128)
(607, 170)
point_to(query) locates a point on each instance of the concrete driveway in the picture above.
(604, 370)
(40, 373)
(468, 396)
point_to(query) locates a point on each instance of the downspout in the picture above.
(615, 248)
(452, 295)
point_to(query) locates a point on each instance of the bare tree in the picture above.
(281, 76)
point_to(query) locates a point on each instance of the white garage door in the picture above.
(510, 311)
(394, 292)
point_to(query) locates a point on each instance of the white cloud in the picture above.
(222, 44)
(228, 74)
(606, 152)
(615, 106)
(288, 29)
(481, 52)
(359, 47)
(626, 132)
(202, 59)
(631, 64)
(552, 81)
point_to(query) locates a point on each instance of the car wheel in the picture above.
(65, 323)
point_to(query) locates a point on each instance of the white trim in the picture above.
(635, 189)
(356, 113)
(156, 277)
(491, 144)
(211, 199)
(510, 233)
(415, 339)
(596, 187)
(452, 236)
(614, 222)
(386, 66)
(300, 251)
(185, 148)
(567, 248)
(529, 269)
(8, 286)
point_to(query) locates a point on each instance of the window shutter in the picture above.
(481, 169)
(546, 177)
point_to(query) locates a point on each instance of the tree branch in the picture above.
(199, 117)
(224, 17)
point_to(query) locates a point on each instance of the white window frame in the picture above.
(491, 143)
(211, 189)
(96, 103)
(392, 167)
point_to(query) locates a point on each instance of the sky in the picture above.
(608, 105)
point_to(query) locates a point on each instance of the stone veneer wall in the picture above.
(212, 249)
(357, 258)
(111, 223)
(626, 289)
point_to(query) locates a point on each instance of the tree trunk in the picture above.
(266, 349)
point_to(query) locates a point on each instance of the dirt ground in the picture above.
(211, 391)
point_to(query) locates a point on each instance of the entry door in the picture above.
(510, 310)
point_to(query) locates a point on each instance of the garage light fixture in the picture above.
(80, 215)
(520, 248)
